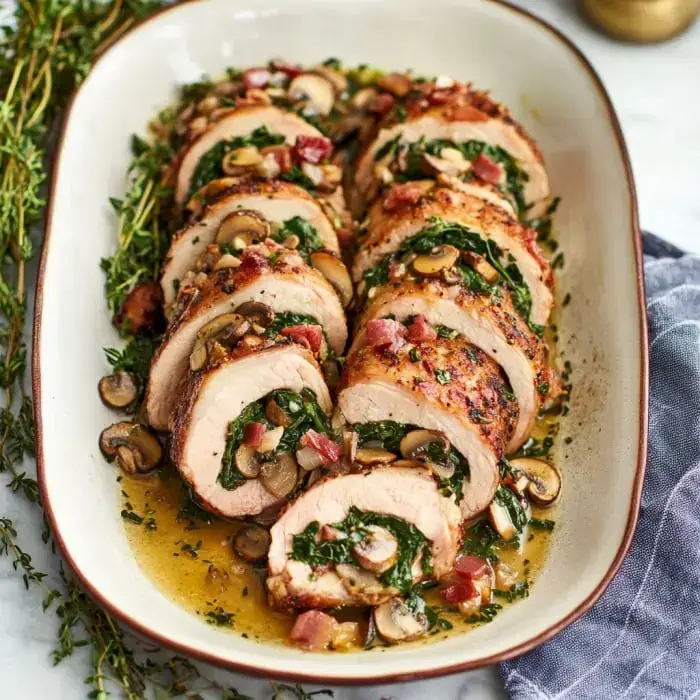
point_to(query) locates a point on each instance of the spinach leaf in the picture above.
(135, 358)
(302, 408)
(417, 605)
(411, 543)
(517, 590)
(537, 524)
(481, 540)
(505, 497)
(209, 166)
(309, 240)
(387, 433)
(296, 176)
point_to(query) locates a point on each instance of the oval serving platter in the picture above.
(602, 331)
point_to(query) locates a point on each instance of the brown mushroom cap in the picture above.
(247, 463)
(432, 264)
(378, 551)
(252, 543)
(317, 92)
(279, 476)
(226, 329)
(243, 228)
(544, 480)
(371, 455)
(118, 390)
(133, 445)
(396, 622)
(256, 312)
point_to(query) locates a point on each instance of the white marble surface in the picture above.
(656, 90)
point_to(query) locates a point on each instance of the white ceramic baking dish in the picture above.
(554, 91)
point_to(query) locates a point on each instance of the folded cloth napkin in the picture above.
(642, 638)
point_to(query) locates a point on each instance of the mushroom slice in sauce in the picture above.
(396, 622)
(133, 445)
(252, 543)
(414, 444)
(279, 476)
(544, 480)
(332, 268)
(360, 583)
(118, 390)
(256, 312)
(243, 228)
(378, 551)
(247, 461)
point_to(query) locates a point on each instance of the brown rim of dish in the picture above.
(389, 677)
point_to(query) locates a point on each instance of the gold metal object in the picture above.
(642, 20)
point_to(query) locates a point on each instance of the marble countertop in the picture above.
(656, 91)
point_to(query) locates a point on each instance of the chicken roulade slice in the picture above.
(285, 296)
(466, 135)
(272, 124)
(442, 402)
(397, 230)
(428, 307)
(242, 211)
(411, 533)
(240, 421)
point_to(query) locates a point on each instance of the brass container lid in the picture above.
(642, 21)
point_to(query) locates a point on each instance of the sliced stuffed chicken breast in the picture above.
(273, 296)
(245, 211)
(458, 132)
(241, 419)
(438, 402)
(430, 308)
(407, 232)
(236, 143)
(360, 539)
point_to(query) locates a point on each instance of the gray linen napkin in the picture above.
(642, 639)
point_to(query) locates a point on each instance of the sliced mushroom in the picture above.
(442, 471)
(271, 439)
(257, 312)
(276, 415)
(358, 582)
(133, 445)
(331, 373)
(243, 228)
(279, 476)
(370, 455)
(334, 77)
(378, 551)
(362, 98)
(226, 329)
(316, 92)
(332, 268)
(309, 458)
(500, 520)
(252, 543)
(118, 390)
(396, 622)
(481, 266)
(414, 444)
(350, 442)
(238, 161)
(398, 84)
(451, 276)
(545, 481)
(247, 463)
(432, 264)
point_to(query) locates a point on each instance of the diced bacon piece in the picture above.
(381, 104)
(466, 113)
(403, 194)
(313, 630)
(472, 567)
(384, 332)
(256, 78)
(253, 435)
(282, 154)
(308, 335)
(460, 590)
(279, 65)
(439, 97)
(252, 261)
(488, 170)
(420, 330)
(327, 448)
(313, 149)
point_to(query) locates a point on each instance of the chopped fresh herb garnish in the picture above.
(220, 617)
(128, 514)
(543, 388)
(517, 590)
(538, 524)
(481, 540)
(505, 497)
(486, 613)
(414, 355)
(135, 358)
(535, 448)
(443, 376)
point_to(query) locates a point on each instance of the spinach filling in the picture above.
(411, 544)
(414, 169)
(302, 409)
(388, 434)
(445, 232)
(210, 165)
